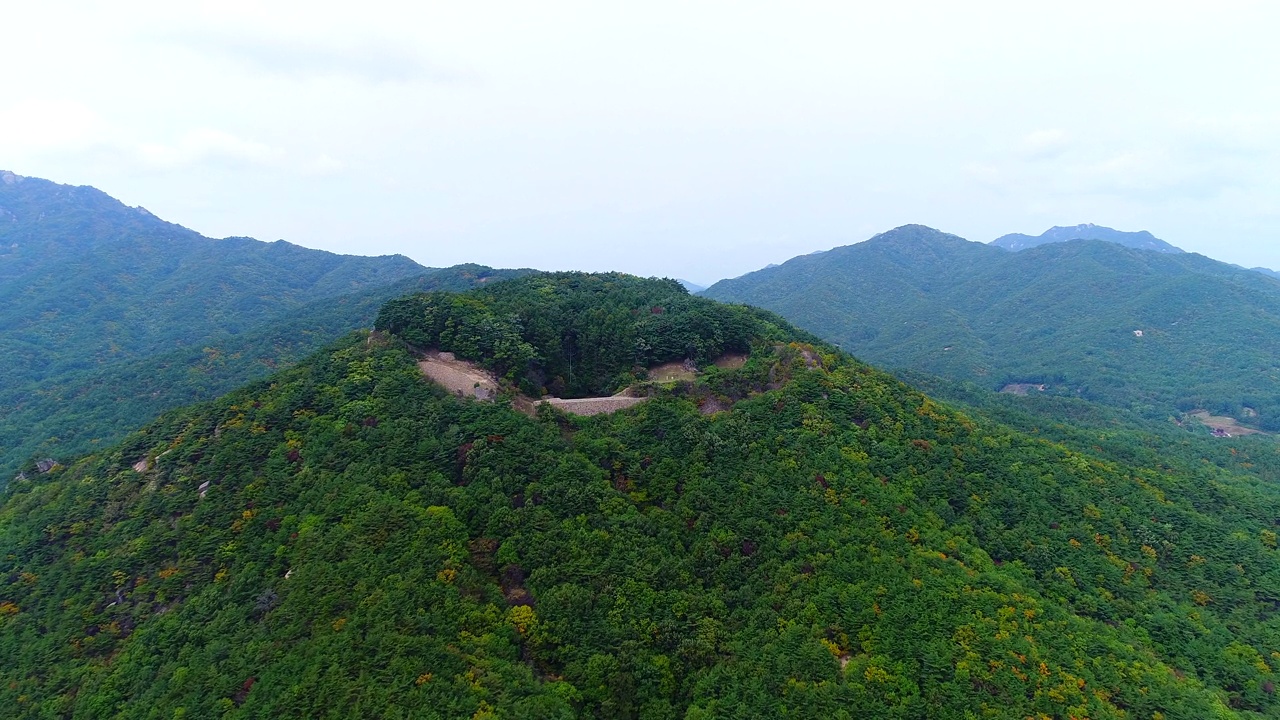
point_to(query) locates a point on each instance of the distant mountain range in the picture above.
(1153, 331)
(1141, 240)
(109, 315)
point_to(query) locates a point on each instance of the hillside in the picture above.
(74, 412)
(802, 536)
(86, 280)
(1152, 332)
(1141, 240)
(109, 315)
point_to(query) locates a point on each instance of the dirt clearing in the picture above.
(673, 372)
(1223, 426)
(595, 405)
(458, 376)
(730, 361)
(1021, 388)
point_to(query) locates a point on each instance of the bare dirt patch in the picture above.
(1223, 426)
(730, 361)
(1022, 388)
(466, 379)
(595, 405)
(674, 372)
(458, 376)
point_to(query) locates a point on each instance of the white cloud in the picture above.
(38, 125)
(323, 166)
(205, 145)
(1044, 144)
(301, 58)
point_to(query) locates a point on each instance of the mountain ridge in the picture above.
(92, 292)
(1062, 314)
(1140, 240)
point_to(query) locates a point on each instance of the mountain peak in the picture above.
(1140, 240)
(914, 233)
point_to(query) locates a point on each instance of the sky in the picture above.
(698, 140)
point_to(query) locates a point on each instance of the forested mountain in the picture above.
(1141, 240)
(74, 412)
(1151, 332)
(109, 315)
(797, 536)
(86, 280)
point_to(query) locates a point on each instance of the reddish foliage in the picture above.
(243, 693)
(463, 452)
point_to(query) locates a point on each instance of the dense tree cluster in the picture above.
(576, 334)
(803, 536)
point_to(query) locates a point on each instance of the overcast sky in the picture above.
(693, 139)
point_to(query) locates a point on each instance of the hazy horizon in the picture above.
(699, 142)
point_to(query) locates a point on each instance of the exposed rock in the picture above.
(458, 376)
(46, 465)
(594, 406)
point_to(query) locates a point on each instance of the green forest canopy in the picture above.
(66, 414)
(801, 537)
(1145, 331)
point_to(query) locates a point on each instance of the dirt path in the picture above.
(1022, 388)
(466, 379)
(595, 405)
